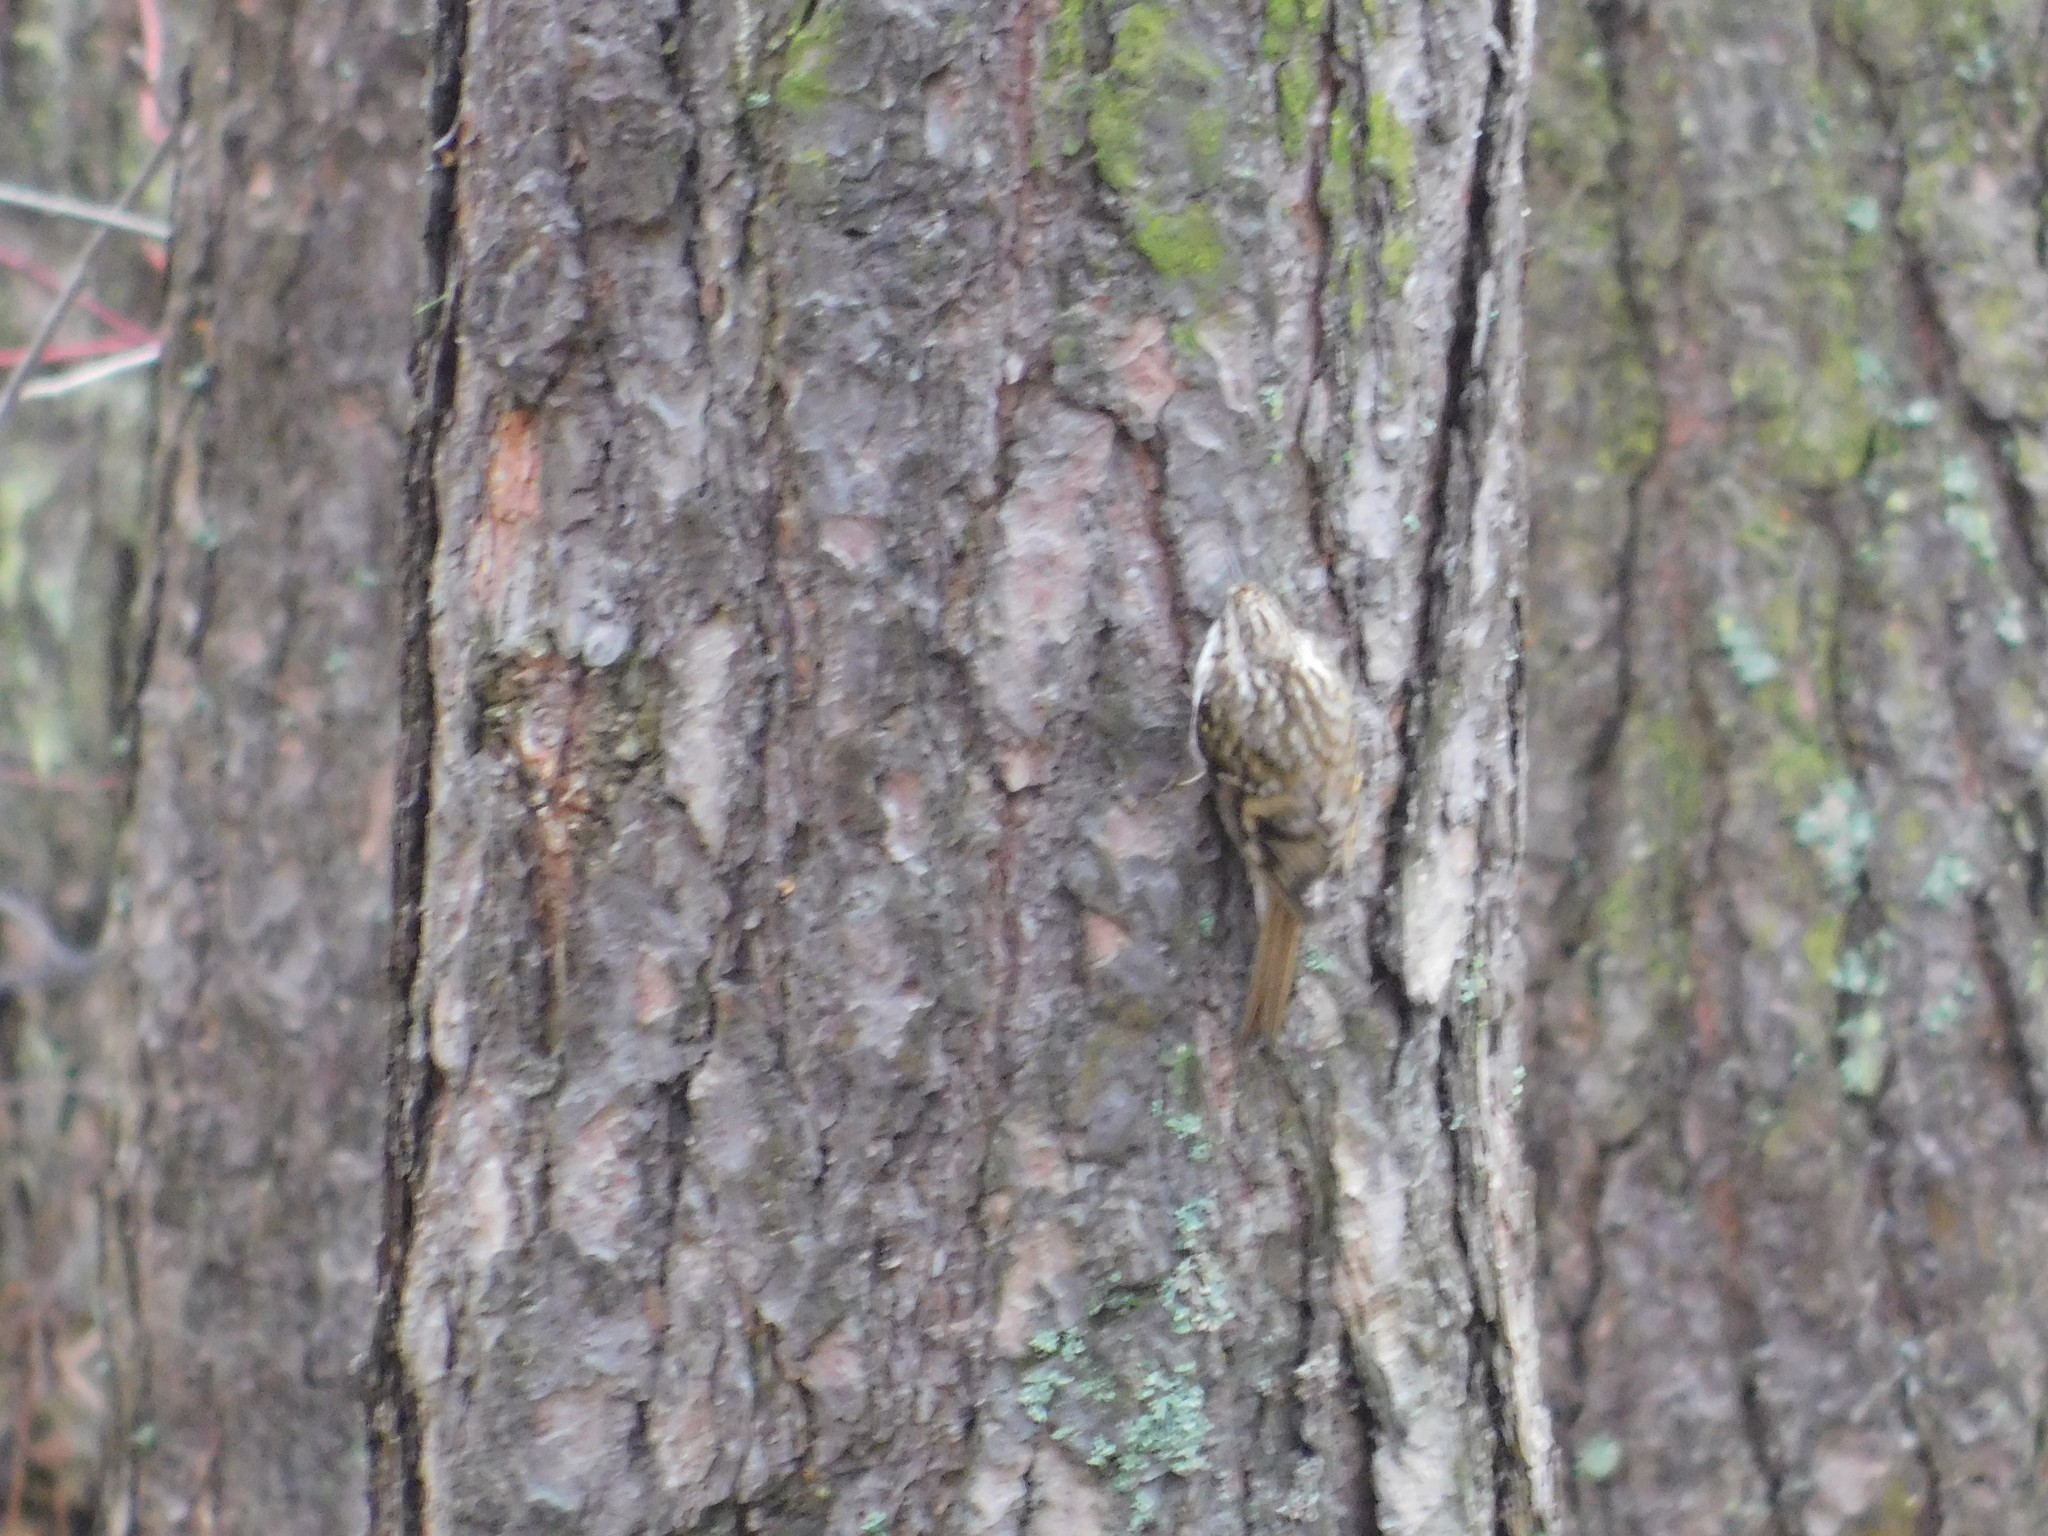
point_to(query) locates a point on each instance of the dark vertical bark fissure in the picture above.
(1370, 1434)
(1462, 384)
(148, 619)
(1757, 1434)
(1483, 1340)
(1866, 918)
(1995, 439)
(1597, 771)
(1309, 459)
(1993, 436)
(396, 1496)
(2037, 151)
(1578, 1317)
(1450, 439)
(2008, 1020)
(1887, 1139)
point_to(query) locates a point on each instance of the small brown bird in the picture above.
(1277, 722)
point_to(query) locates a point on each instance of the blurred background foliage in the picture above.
(76, 117)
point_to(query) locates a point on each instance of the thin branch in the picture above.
(58, 352)
(27, 777)
(85, 375)
(132, 332)
(148, 103)
(57, 205)
(75, 284)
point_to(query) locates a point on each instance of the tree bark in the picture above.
(240, 1225)
(1787, 891)
(817, 1106)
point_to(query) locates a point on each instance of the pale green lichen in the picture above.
(1949, 879)
(1187, 1127)
(1472, 984)
(1170, 1432)
(2010, 623)
(1598, 1459)
(1748, 655)
(1941, 1015)
(1181, 1064)
(1139, 1420)
(1863, 1053)
(1964, 510)
(1859, 970)
(1972, 524)
(1838, 830)
(1059, 1350)
(1196, 1295)
(1066, 1344)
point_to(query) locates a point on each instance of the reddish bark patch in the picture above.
(512, 508)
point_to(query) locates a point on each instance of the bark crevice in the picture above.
(396, 1491)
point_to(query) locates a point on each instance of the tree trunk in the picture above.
(241, 1223)
(818, 1107)
(1787, 886)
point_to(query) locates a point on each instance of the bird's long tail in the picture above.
(1273, 963)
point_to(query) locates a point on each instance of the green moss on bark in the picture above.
(1182, 244)
(805, 84)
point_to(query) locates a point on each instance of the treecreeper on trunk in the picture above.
(1277, 723)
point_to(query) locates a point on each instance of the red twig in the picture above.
(72, 351)
(128, 333)
(153, 126)
(74, 285)
(60, 783)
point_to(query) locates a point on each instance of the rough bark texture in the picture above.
(817, 1109)
(241, 1219)
(1787, 884)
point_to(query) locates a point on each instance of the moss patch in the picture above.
(1155, 75)
(805, 86)
(1390, 151)
(1183, 244)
